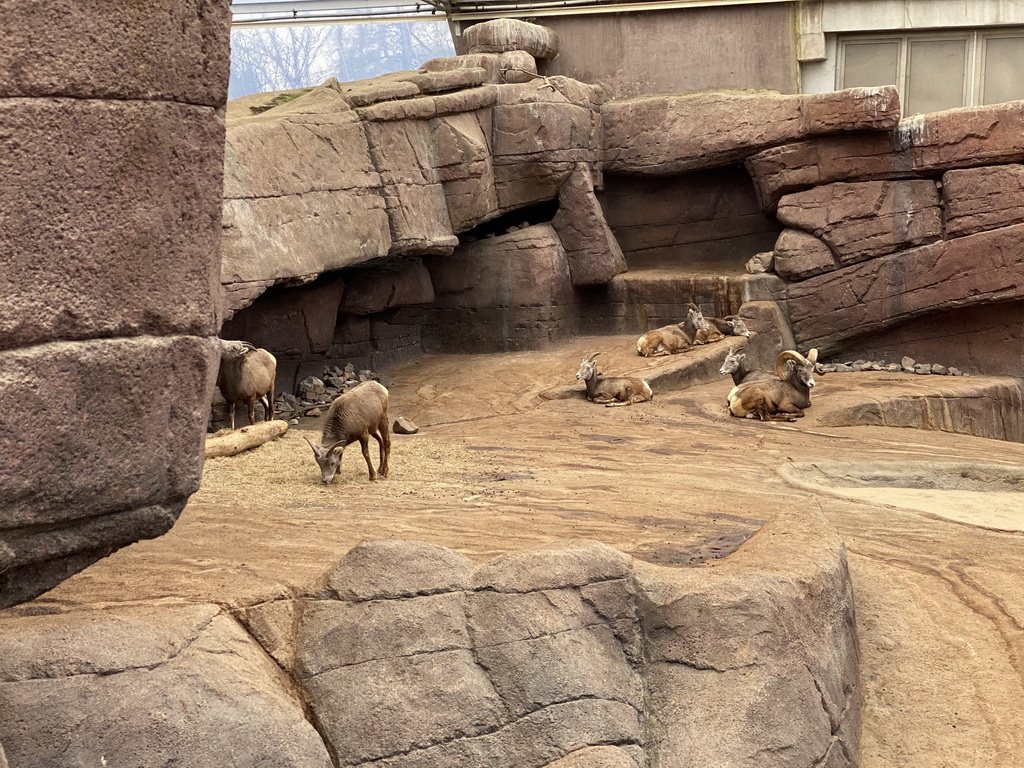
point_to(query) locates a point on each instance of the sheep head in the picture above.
(739, 328)
(696, 318)
(732, 361)
(802, 367)
(588, 368)
(327, 458)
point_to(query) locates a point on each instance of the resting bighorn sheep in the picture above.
(358, 414)
(246, 375)
(611, 390)
(736, 364)
(674, 338)
(781, 399)
(730, 325)
(704, 332)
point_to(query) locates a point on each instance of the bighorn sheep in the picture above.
(736, 364)
(677, 337)
(358, 414)
(730, 325)
(703, 331)
(246, 375)
(611, 390)
(781, 398)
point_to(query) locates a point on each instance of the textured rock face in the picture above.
(159, 684)
(516, 290)
(861, 221)
(920, 145)
(112, 158)
(977, 199)
(865, 298)
(668, 135)
(546, 657)
(502, 35)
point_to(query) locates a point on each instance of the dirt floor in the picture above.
(676, 481)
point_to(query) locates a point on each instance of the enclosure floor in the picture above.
(495, 467)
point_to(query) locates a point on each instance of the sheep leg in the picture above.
(231, 410)
(383, 439)
(364, 443)
(252, 409)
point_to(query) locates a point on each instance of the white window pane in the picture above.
(1004, 70)
(869, 64)
(935, 75)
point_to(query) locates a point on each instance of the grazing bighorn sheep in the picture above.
(782, 398)
(736, 364)
(246, 375)
(611, 390)
(677, 337)
(358, 414)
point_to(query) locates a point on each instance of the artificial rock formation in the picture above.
(112, 156)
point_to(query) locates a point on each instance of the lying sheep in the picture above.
(612, 390)
(736, 364)
(783, 398)
(358, 414)
(730, 325)
(246, 375)
(675, 338)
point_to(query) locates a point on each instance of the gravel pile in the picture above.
(906, 365)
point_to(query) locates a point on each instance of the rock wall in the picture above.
(570, 656)
(886, 228)
(112, 155)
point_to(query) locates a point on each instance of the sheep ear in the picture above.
(336, 446)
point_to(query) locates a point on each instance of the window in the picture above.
(936, 71)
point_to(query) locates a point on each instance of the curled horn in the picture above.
(813, 356)
(786, 356)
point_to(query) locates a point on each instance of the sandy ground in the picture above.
(675, 481)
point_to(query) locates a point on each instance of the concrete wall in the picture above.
(111, 153)
(663, 52)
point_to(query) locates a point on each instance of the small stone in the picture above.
(843, 368)
(893, 368)
(857, 366)
(311, 386)
(313, 413)
(403, 426)
(873, 366)
(955, 371)
(365, 375)
(923, 369)
(349, 368)
(293, 422)
(908, 363)
(939, 370)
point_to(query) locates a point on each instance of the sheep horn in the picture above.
(785, 357)
(317, 450)
(590, 358)
(813, 356)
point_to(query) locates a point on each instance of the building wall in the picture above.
(662, 52)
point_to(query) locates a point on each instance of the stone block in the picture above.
(920, 145)
(799, 255)
(977, 199)
(404, 285)
(668, 135)
(982, 268)
(395, 568)
(867, 219)
(593, 252)
(111, 219)
(158, 684)
(500, 35)
(165, 50)
(85, 408)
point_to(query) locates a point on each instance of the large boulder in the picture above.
(976, 199)
(921, 145)
(667, 135)
(593, 252)
(148, 686)
(868, 219)
(499, 35)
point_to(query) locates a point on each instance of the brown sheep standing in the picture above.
(246, 375)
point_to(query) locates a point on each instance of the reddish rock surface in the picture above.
(920, 145)
(977, 199)
(861, 221)
(666, 135)
(799, 255)
(865, 298)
